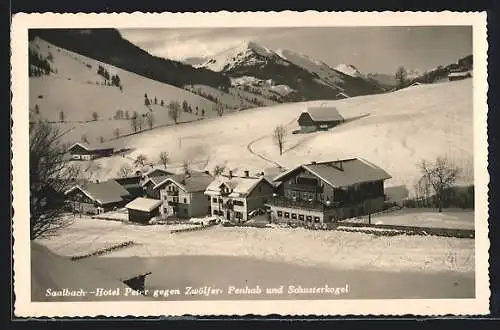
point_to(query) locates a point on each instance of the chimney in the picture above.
(207, 172)
(247, 174)
(230, 174)
(262, 173)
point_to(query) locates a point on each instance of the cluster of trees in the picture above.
(38, 65)
(436, 186)
(121, 114)
(138, 120)
(114, 80)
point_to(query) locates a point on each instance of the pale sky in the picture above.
(370, 49)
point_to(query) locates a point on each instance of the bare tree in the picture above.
(186, 168)
(116, 133)
(441, 175)
(134, 122)
(174, 109)
(150, 120)
(125, 171)
(401, 76)
(140, 160)
(163, 159)
(61, 116)
(219, 108)
(50, 175)
(219, 169)
(279, 137)
(95, 116)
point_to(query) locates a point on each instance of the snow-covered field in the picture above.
(340, 250)
(392, 130)
(424, 218)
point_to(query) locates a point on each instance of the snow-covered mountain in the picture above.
(348, 69)
(310, 78)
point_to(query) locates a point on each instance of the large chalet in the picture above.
(328, 191)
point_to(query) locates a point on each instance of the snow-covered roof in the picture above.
(157, 172)
(103, 192)
(459, 74)
(88, 147)
(324, 114)
(189, 183)
(238, 186)
(143, 204)
(342, 173)
(156, 180)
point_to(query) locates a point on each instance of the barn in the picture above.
(142, 210)
(83, 151)
(95, 198)
(319, 118)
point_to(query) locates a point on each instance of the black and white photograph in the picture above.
(268, 165)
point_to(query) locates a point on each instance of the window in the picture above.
(309, 218)
(287, 215)
(238, 203)
(280, 213)
(214, 200)
(301, 217)
(185, 201)
(316, 219)
(238, 215)
(208, 198)
(220, 200)
(216, 212)
(294, 216)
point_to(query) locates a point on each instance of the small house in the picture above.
(95, 198)
(459, 75)
(319, 118)
(234, 197)
(142, 210)
(83, 151)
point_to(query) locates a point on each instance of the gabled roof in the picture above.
(162, 172)
(144, 204)
(156, 180)
(88, 147)
(342, 173)
(240, 186)
(324, 114)
(192, 183)
(103, 192)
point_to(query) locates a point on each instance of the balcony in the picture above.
(305, 188)
(299, 204)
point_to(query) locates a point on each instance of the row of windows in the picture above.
(237, 203)
(294, 216)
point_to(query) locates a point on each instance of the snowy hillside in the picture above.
(78, 91)
(392, 130)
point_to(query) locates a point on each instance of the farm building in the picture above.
(234, 197)
(83, 151)
(142, 209)
(132, 184)
(95, 198)
(328, 191)
(319, 118)
(459, 75)
(183, 195)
